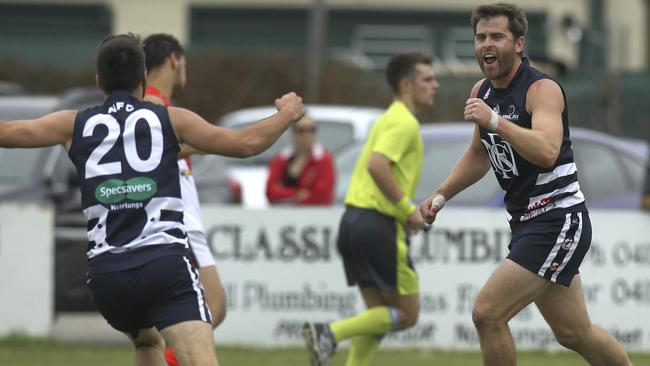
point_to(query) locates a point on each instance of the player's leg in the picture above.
(209, 276)
(363, 348)
(564, 307)
(404, 311)
(508, 290)
(565, 311)
(215, 294)
(181, 313)
(375, 256)
(149, 348)
(192, 343)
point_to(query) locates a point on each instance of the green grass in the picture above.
(22, 351)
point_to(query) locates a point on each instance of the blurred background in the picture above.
(245, 53)
(334, 51)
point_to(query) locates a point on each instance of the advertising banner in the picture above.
(26, 269)
(281, 267)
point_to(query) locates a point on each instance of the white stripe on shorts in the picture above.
(558, 245)
(199, 294)
(574, 245)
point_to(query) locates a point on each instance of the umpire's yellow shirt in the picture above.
(396, 135)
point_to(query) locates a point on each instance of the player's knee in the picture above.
(410, 320)
(483, 316)
(569, 337)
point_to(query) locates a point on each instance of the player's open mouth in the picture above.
(489, 58)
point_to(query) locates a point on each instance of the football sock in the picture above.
(362, 350)
(375, 321)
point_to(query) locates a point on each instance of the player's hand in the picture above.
(430, 207)
(478, 112)
(414, 223)
(291, 104)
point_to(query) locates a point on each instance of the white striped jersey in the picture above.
(530, 190)
(125, 153)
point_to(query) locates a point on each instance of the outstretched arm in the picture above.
(52, 129)
(252, 140)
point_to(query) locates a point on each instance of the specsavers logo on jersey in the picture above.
(116, 190)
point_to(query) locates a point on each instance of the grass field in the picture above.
(19, 351)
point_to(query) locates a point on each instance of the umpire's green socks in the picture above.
(362, 350)
(375, 321)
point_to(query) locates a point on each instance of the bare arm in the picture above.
(541, 143)
(52, 129)
(381, 170)
(472, 166)
(252, 140)
(187, 150)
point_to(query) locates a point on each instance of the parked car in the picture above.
(24, 172)
(338, 128)
(610, 169)
(9, 88)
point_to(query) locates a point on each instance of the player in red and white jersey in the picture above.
(166, 75)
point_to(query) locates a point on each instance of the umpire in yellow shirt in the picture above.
(379, 216)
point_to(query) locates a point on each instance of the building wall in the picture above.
(626, 20)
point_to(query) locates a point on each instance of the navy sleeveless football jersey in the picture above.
(125, 154)
(530, 189)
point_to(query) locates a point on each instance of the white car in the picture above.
(338, 127)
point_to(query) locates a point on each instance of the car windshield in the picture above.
(17, 165)
(333, 135)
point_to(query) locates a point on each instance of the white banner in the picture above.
(26, 269)
(281, 267)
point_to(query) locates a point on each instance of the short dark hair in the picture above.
(157, 47)
(402, 65)
(120, 63)
(517, 22)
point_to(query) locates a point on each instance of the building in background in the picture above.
(360, 30)
(599, 48)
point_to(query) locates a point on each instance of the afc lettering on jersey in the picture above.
(125, 153)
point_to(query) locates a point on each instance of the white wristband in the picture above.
(494, 121)
(438, 200)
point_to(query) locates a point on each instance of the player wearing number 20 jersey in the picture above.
(125, 151)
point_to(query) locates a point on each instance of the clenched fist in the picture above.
(291, 105)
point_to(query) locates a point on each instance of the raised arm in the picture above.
(539, 144)
(52, 129)
(252, 140)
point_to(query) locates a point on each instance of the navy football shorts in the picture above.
(375, 252)
(553, 246)
(160, 293)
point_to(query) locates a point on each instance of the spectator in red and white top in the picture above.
(303, 174)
